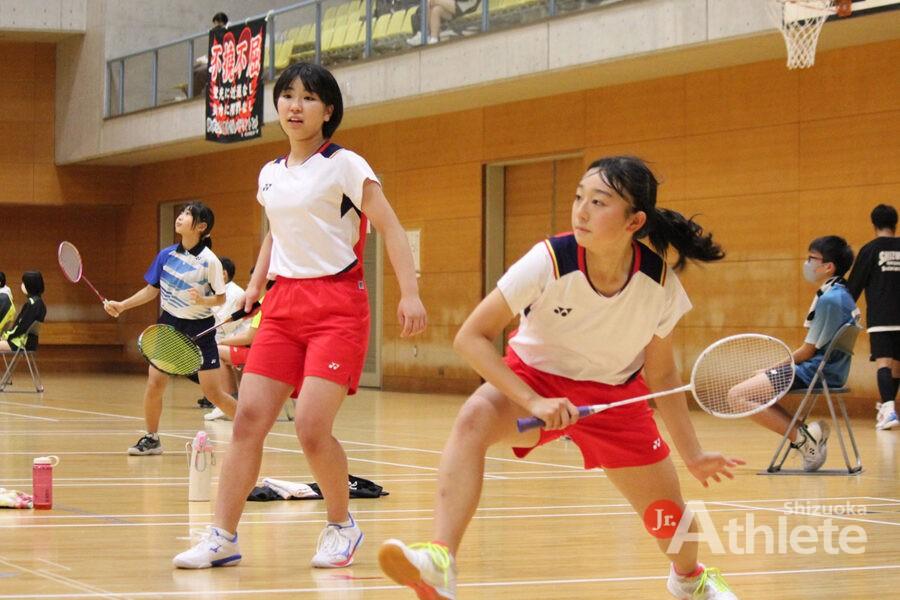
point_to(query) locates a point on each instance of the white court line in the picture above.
(478, 584)
(28, 417)
(425, 451)
(277, 519)
(358, 511)
(382, 480)
(74, 410)
(50, 562)
(894, 500)
(97, 592)
(786, 512)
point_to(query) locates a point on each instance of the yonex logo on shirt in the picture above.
(561, 311)
(334, 366)
(266, 187)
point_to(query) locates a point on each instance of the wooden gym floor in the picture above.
(545, 527)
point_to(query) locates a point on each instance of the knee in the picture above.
(312, 436)
(476, 420)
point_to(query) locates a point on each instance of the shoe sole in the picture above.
(395, 565)
(154, 452)
(231, 561)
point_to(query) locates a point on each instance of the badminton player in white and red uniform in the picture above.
(597, 312)
(314, 336)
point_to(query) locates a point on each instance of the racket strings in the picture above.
(170, 351)
(742, 375)
(70, 261)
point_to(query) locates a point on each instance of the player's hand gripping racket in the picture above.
(175, 353)
(72, 267)
(721, 379)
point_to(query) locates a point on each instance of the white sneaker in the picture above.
(813, 448)
(216, 414)
(709, 585)
(428, 569)
(217, 549)
(416, 40)
(337, 544)
(887, 417)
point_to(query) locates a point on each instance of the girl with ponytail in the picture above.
(188, 280)
(597, 310)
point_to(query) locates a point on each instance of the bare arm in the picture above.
(804, 353)
(474, 342)
(661, 373)
(260, 272)
(411, 311)
(242, 339)
(142, 296)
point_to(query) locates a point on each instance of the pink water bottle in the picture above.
(42, 481)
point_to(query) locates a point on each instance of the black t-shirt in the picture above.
(877, 271)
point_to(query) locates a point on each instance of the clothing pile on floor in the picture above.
(15, 499)
(279, 489)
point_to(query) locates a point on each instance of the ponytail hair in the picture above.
(635, 183)
(202, 214)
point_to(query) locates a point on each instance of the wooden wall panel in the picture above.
(644, 110)
(534, 127)
(742, 97)
(766, 228)
(746, 161)
(859, 150)
(438, 140)
(863, 80)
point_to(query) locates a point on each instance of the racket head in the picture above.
(169, 350)
(741, 375)
(69, 261)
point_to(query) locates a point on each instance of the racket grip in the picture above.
(241, 313)
(532, 422)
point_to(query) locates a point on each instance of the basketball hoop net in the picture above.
(800, 22)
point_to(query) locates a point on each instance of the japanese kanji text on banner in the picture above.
(234, 98)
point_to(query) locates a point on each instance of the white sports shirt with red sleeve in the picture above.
(569, 329)
(315, 213)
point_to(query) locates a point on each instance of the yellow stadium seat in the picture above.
(335, 40)
(380, 28)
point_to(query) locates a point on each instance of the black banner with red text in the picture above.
(234, 96)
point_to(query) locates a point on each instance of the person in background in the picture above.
(877, 272)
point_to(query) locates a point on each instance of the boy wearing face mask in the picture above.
(828, 259)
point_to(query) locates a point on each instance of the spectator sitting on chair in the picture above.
(877, 271)
(440, 11)
(7, 305)
(33, 310)
(829, 259)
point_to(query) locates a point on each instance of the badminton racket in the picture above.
(176, 353)
(72, 266)
(721, 379)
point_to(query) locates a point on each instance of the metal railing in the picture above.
(327, 32)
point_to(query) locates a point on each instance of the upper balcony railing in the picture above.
(328, 32)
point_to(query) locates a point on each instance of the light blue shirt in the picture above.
(833, 309)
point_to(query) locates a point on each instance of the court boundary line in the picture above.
(477, 584)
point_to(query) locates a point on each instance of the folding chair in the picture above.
(843, 341)
(15, 356)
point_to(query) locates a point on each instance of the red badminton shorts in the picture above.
(625, 436)
(313, 327)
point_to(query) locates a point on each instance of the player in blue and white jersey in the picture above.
(188, 280)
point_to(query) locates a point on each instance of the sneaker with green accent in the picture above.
(429, 569)
(708, 585)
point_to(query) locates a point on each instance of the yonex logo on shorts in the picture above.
(657, 443)
(266, 186)
(561, 311)
(334, 366)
